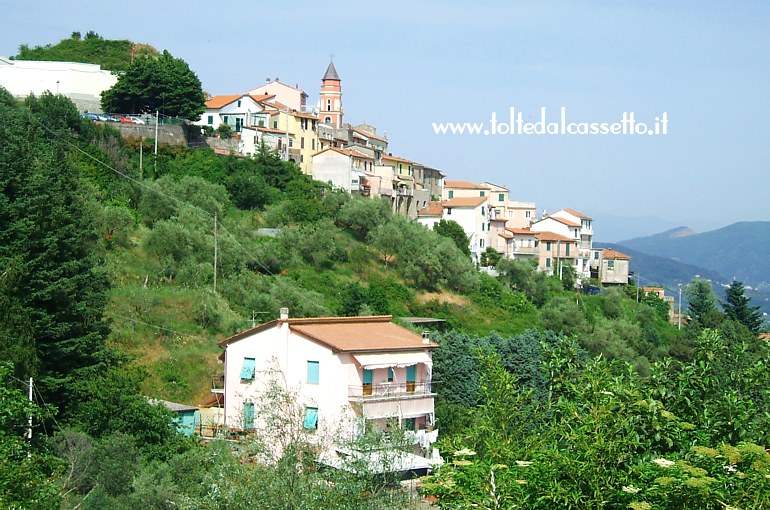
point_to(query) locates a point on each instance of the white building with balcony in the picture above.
(349, 374)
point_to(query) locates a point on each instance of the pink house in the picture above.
(349, 373)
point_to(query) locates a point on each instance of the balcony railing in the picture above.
(386, 192)
(524, 249)
(405, 192)
(390, 390)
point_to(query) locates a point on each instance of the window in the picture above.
(451, 194)
(483, 225)
(596, 255)
(328, 105)
(275, 124)
(239, 103)
(210, 120)
(247, 372)
(568, 249)
(312, 372)
(482, 193)
(301, 158)
(548, 262)
(311, 418)
(302, 142)
(248, 415)
(501, 197)
(482, 210)
(448, 211)
(548, 246)
(367, 379)
(224, 118)
(328, 120)
(312, 144)
(390, 374)
(611, 265)
(409, 424)
(411, 377)
(527, 214)
(481, 243)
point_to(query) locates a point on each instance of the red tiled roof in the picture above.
(464, 202)
(433, 209)
(369, 135)
(348, 334)
(394, 158)
(217, 102)
(506, 235)
(565, 222)
(525, 231)
(464, 185)
(346, 152)
(552, 236)
(573, 212)
(612, 254)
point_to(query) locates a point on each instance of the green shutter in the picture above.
(411, 373)
(248, 368)
(548, 262)
(451, 194)
(248, 415)
(501, 197)
(312, 372)
(311, 418)
(368, 376)
(390, 374)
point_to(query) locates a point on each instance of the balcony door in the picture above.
(411, 377)
(368, 378)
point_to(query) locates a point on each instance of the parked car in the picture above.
(89, 115)
(136, 119)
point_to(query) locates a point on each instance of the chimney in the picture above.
(426, 337)
(284, 314)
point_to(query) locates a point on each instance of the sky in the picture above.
(407, 65)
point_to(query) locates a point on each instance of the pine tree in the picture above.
(736, 307)
(48, 258)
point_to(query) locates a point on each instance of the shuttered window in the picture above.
(312, 372)
(311, 418)
(247, 372)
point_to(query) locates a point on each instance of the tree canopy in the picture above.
(163, 83)
(737, 307)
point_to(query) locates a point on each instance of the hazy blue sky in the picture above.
(405, 65)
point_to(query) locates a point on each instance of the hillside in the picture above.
(656, 270)
(112, 55)
(738, 251)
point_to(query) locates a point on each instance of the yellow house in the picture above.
(303, 134)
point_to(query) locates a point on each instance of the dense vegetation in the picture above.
(108, 265)
(112, 55)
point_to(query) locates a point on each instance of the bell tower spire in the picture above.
(330, 107)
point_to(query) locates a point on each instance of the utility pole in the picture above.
(215, 253)
(141, 151)
(680, 307)
(156, 142)
(637, 288)
(29, 423)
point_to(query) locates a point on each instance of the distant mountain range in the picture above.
(676, 256)
(738, 251)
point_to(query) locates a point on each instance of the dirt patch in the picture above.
(442, 297)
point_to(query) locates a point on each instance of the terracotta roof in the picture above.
(464, 185)
(369, 135)
(553, 236)
(394, 158)
(433, 209)
(464, 202)
(267, 130)
(519, 230)
(506, 235)
(348, 334)
(493, 185)
(217, 102)
(573, 212)
(612, 254)
(346, 152)
(565, 222)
